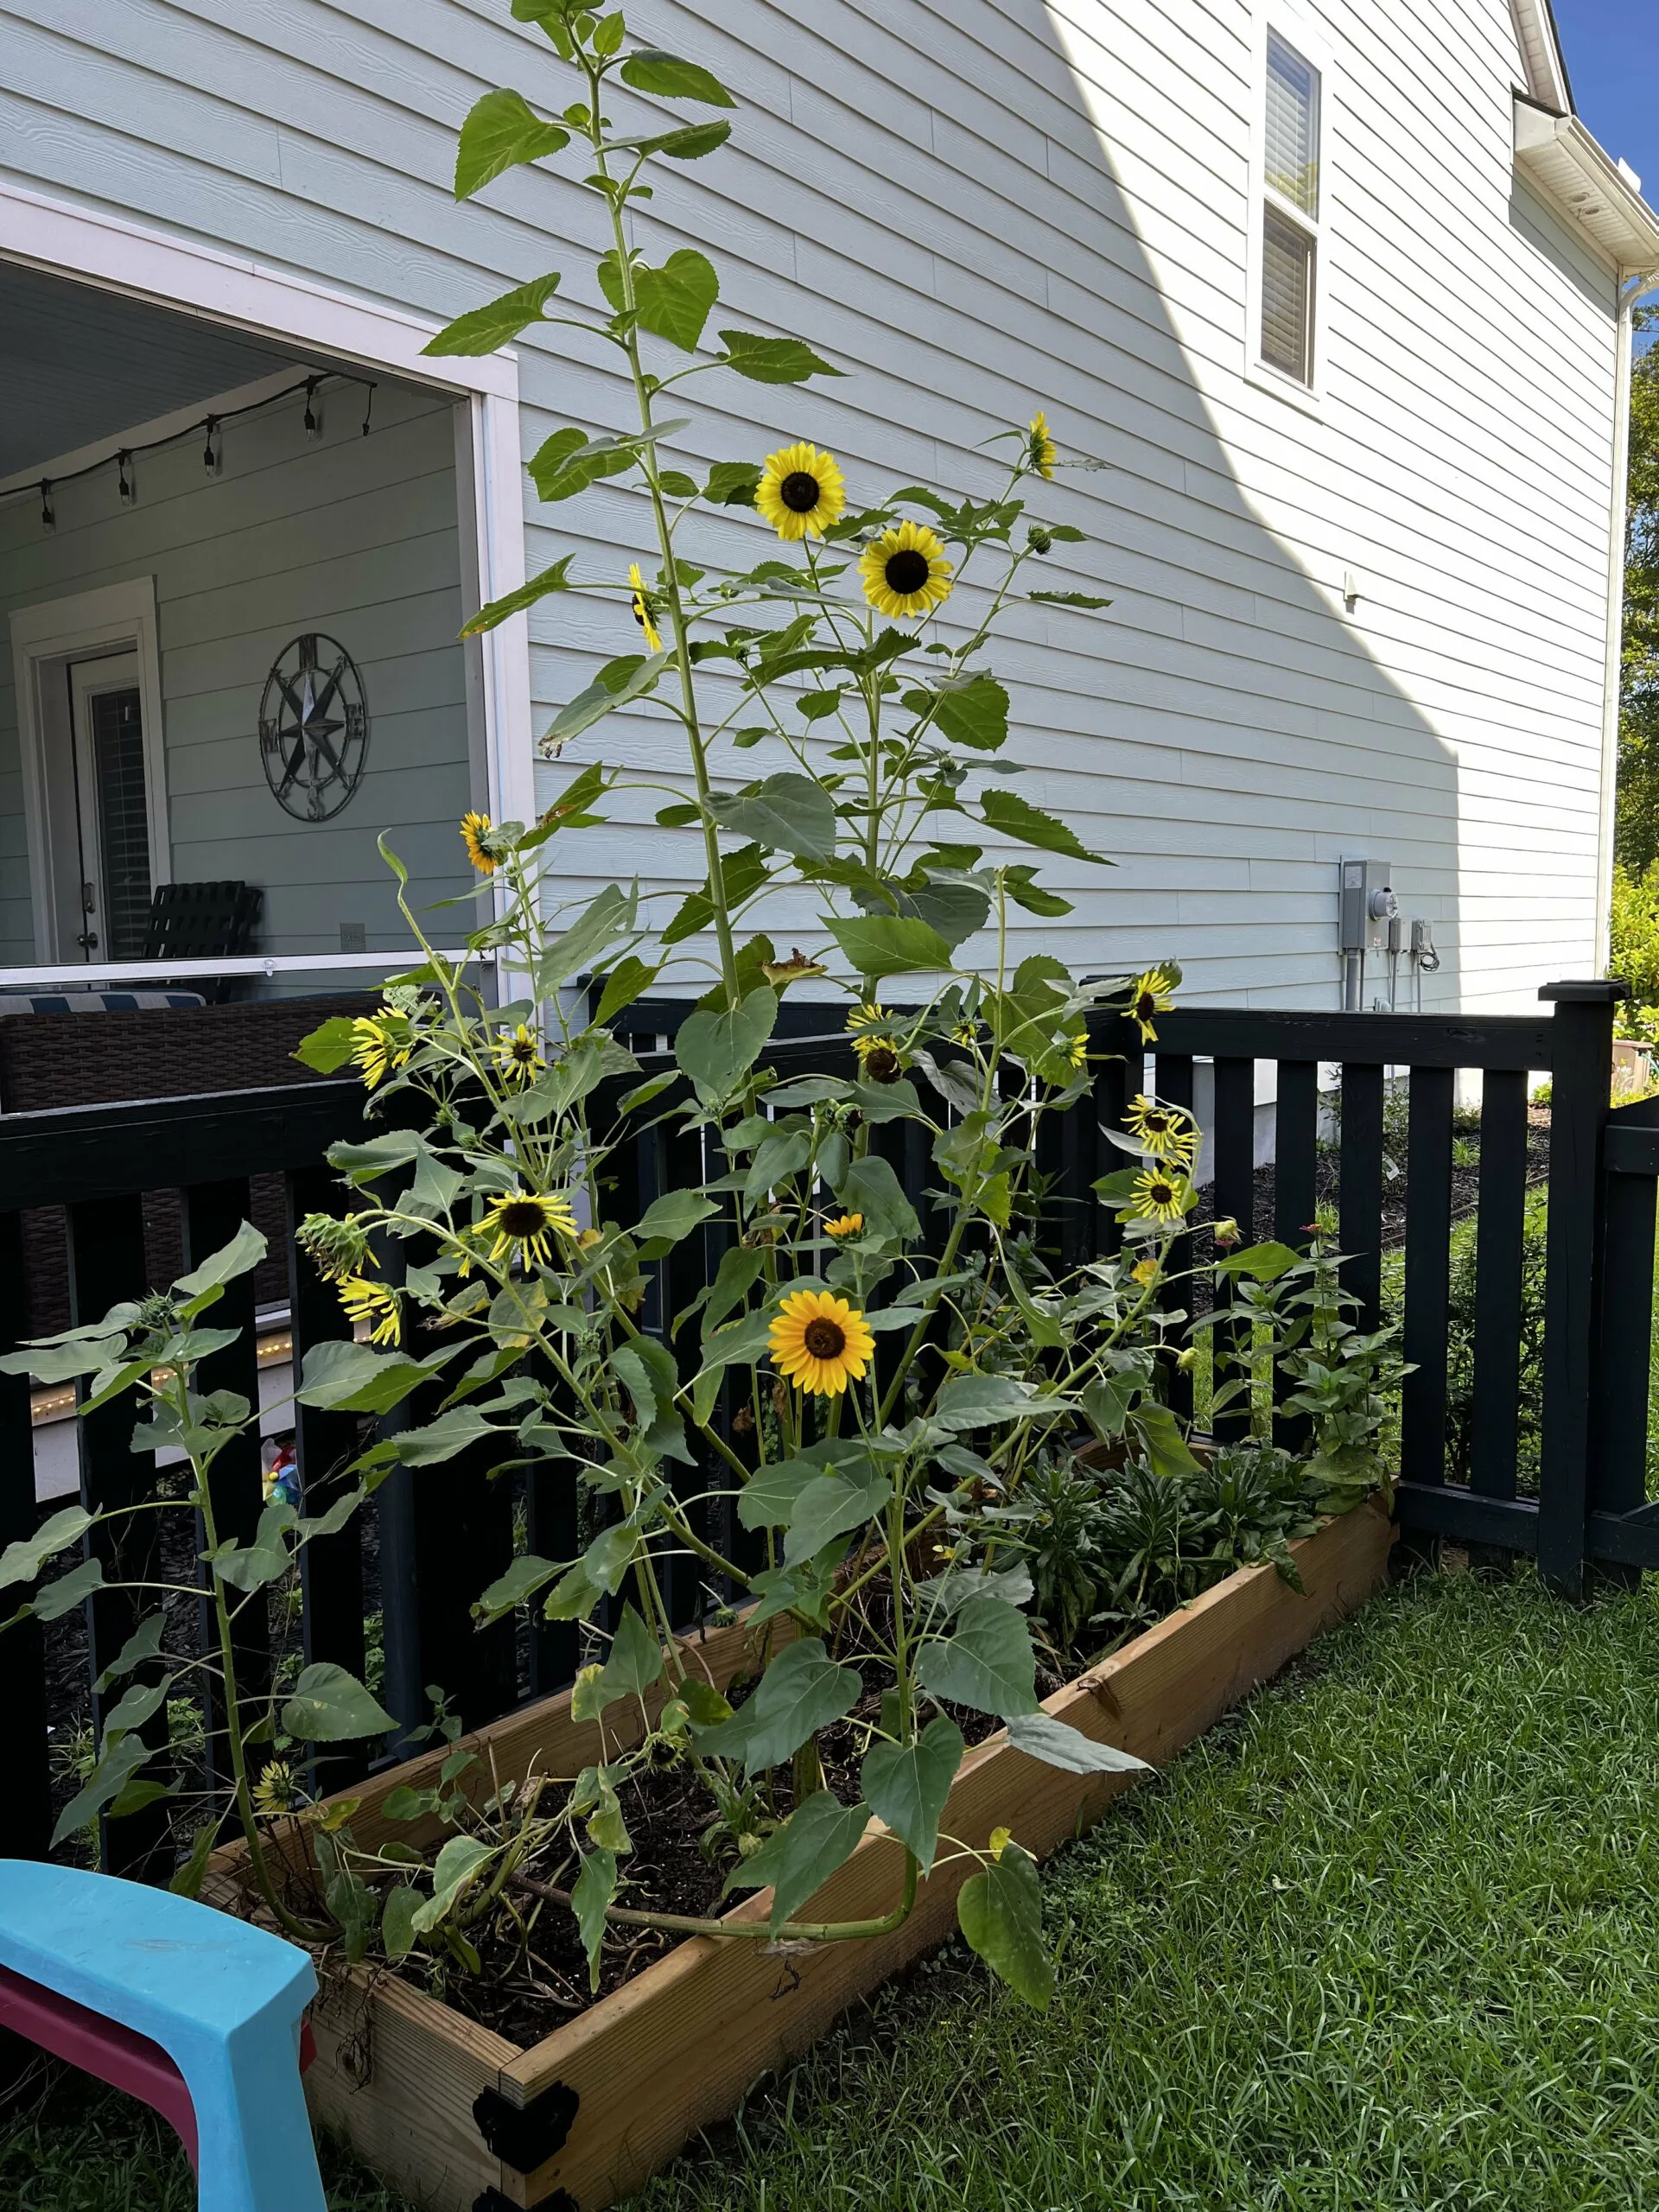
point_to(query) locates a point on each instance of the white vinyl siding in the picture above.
(980, 207)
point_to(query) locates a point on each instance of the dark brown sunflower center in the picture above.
(881, 1064)
(523, 1048)
(1145, 1007)
(906, 571)
(799, 492)
(1157, 1125)
(1161, 1193)
(824, 1339)
(523, 1217)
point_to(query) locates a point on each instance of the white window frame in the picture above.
(59, 238)
(1288, 23)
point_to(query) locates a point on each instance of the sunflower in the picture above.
(801, 491)
(871, 1015)
(849, 1225)
(904, 571)
(1041, 451)
(517, 1056)
(526, 1218)
(338, 1245)
(372, 1302)
(640, 603)
(380, 1042)
(276, 1790)
(1078, 1051)
(1166, 1131)
(1150, 994)
(820, 1342)
(1160, 1195)
(879, 1057)
(475, 835)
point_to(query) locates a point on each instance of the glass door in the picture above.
(112, 807)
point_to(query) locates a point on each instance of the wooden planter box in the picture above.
(464, 2121)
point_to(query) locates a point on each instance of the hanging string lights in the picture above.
(210, 429)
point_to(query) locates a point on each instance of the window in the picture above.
(1290, 211)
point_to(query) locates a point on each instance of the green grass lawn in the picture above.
(1386, 1938)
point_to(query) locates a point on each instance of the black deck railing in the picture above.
(428, 1544)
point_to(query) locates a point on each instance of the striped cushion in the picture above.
(93, 1001)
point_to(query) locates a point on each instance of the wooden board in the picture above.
(675, 2048)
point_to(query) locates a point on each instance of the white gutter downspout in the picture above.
(1617, 523)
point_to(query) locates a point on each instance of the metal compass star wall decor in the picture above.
(314, 728)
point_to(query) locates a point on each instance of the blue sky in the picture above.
(1612, 57)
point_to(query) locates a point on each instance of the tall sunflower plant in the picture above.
(835, 1430)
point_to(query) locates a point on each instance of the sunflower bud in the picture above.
(1227, 1233)
(1038, 538)
(1186, 1360)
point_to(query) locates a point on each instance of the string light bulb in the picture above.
(313, 420)
(210, 453)
(368, 408)
(48, 512)
(125, 484)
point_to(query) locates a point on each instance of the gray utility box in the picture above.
(1368, 903)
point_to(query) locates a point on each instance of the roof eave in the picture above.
(1562, 157)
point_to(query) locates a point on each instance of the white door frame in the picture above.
(61, 239)
(43, 637)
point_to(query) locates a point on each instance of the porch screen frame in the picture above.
(58, 239)
(45, 636)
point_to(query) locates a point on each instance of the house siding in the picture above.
(356, 536)
(976, 209)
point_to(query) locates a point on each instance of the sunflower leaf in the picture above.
(481, 330)
(617, 683)
(797, 1859)
(890, 945)
(975, 714)
(1017, 817)
(688, 144)
(786, 813)
(650, 70)
(673, 302)
(557, 578)
(774, 360)
(906, 1784)
(1068, 598)
(570, 461)
(731, 483)
(987, 1664)
(501, 130)
(1000, 1911)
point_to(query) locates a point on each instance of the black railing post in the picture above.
(27, 1823)
(1581, 1066)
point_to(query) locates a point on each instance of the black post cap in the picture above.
(1595, 990)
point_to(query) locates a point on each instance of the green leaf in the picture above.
(673, 301)
(557, 578)
(496, 323)
(1160, 1436)
(1040, 1736)
(968, 1401)
(635, 1660)
(774, 360)
(890, 945)
(741, 874)
(832, 1505)
(328, 1706)
(871, 1187)
(327, 1048)
(801, 1691)
(102, 1787)
(975, 714)
(688, 144)
(668, 1220)
(595, 1888)
(251, 1566)
(145, 1644)
(1000, 1910)
(650, 70)
(398, 1918)
(1261, 1262)
(188, 1878)
(140, 1702)
(22, 1561)
(341, 1377)
(501, 130)
(239, 1257)
(570, 461)
(987, 1662)
(906, 1784)
(774, 1162)
(1016, 817)
(1068, 598)
(732, 483)
(715, 1049)
(786, 814)
(440, 1440)
(797, 1859)
(404, 1803)
(459, 1864)
(610, 913)
(56, 1599)
(619, 682)
(628, 981)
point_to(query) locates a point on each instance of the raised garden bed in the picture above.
(464, 2121)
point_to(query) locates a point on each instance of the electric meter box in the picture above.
(1368, 904)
